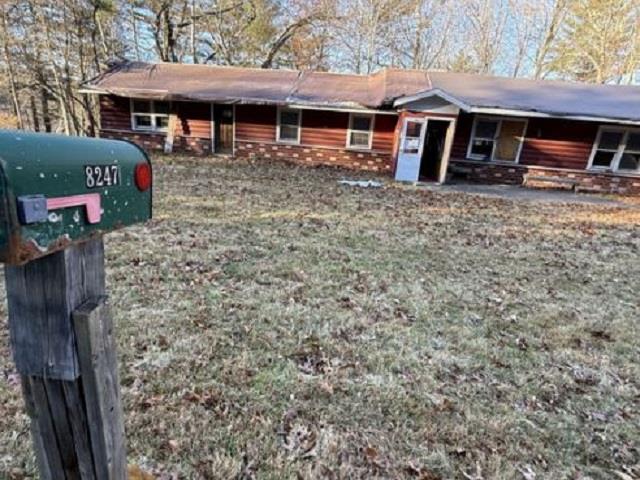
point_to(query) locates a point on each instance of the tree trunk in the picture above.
(15, 100)
(14, 94)
(194, 49)
(44, 106)
(34, 114)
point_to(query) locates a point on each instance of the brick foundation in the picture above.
(305, 155)
(516, 174)
(195, 146)
(147, 141)
(155, 141)
(476, 171)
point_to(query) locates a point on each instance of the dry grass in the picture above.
(273, 324)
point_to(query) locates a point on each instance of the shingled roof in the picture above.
(169, 81)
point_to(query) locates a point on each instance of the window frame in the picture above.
(278, 119)
(499, 120)
(614, 166)
(151, 114)
(350, 129)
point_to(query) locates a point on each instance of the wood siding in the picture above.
(115, 113)
(256, 123)
(194, 119)
(324, 128)
(558, 143)
(462, 135)
(549, 142)
(384, 133)
(553, 143)
(320, 128)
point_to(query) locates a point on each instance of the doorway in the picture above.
(431, 160)
(423, 152)
(223, 128)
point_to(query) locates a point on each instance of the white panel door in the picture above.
(410, 153)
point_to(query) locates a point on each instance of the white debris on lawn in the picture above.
(361, 183)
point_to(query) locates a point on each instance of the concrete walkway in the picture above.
(514, 192)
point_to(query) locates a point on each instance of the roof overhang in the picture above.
(289, 102)
(535, 114)
(511, 112)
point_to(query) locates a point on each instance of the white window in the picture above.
(288, 129)
(497, 139)
(616, 149)
(149, 115)
(360, 133)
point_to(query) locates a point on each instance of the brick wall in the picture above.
(306, 155)
(195, 146)
(147, 141)
(155, 141)
(516, 174)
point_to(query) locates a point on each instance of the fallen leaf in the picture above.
(135, 473)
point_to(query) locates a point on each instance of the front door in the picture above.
(411, 146)
(433, 150)
(223, 122)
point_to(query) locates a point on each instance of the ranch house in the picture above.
(413, 125)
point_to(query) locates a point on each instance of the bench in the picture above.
(542, 181)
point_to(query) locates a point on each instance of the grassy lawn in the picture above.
(273, 324)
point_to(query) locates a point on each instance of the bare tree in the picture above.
(549, 21)
(50, 47)
(9, 65)
(486, 21)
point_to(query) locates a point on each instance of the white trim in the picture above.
(350, 129)
(614, 166)
(446, 151)
(233, 131)
(340, 109)
(278, 111)
(499, 121)
(151, 114)
(92, 91)
(435, 92)
(532, 114)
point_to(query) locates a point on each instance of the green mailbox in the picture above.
(56, 190)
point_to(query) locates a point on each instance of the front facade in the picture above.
(346, 139)
(432, 137)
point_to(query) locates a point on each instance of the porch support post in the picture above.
(446, 154)
(171, 130)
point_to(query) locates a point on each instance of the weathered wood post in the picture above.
(58, 196)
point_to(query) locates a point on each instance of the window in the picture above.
(496, 139)
(149, 115)
(630, 159)
(617, 150)
(288, 125)
(412, 136)
(360, 133)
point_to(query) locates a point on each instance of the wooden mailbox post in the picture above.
(58, 196)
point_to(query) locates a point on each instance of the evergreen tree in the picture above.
(600, 41)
